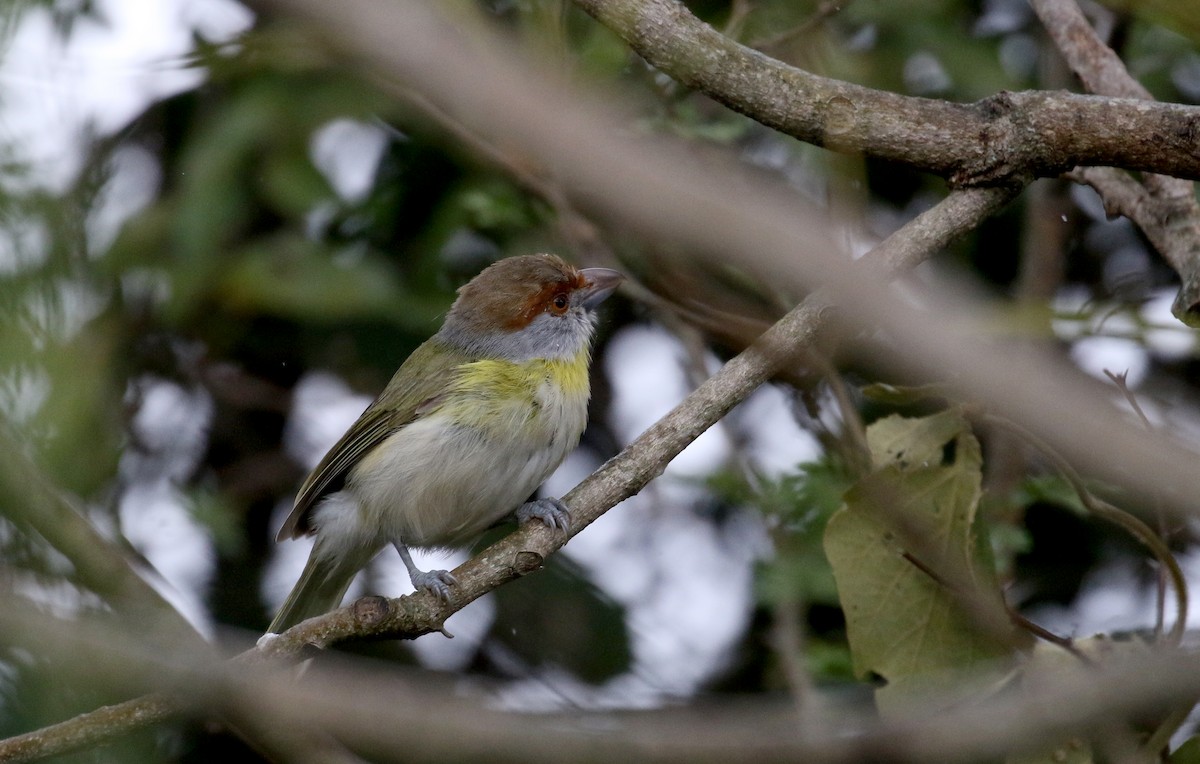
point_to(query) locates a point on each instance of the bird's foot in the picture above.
(552, 512)
(436, 582)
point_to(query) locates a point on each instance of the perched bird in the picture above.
(467, 429)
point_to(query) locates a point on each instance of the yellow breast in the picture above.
(527, 399)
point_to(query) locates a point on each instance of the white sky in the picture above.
(101, 76)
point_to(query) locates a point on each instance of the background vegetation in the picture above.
(254, 252)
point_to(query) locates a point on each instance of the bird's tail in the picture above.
(320, 589)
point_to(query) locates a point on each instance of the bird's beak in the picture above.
(600, 284)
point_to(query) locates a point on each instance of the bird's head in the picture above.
(534, 306)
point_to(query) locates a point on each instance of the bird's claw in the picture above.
(552, 512)
(436, 582)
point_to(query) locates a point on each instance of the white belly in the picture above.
(439, 484)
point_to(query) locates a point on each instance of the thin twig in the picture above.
(825, 10)
(1106, 511)
(1120, 380)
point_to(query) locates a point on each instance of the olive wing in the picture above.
(419, 380)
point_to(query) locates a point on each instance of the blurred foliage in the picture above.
(584, 633)
(1182, 16)
(209, 245)
(798, 576)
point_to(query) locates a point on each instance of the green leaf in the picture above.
(1188, 753)
(1050, 489)
(1181, 15)
(800, 504)
(291, 184)
(290, 276)
(902, 622)
(905, 442)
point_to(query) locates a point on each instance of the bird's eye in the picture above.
(559, 303)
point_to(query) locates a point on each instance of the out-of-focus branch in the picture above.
(31, 502)
(1006, 136)
(1096, 65)
(1165, 208)
(655, 189)
(381, 713)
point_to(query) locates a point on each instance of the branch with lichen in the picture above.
(1006, 138)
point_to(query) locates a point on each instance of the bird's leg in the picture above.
(552, 512)
(436, 582)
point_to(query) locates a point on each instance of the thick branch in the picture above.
(1010, 135)
(628, 181)
(656, 190)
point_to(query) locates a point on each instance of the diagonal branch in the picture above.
(399, 40)
(30, 501)
(646, 457)
(1165, 208)
(624, 475)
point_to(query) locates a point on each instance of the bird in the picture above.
(468, 428)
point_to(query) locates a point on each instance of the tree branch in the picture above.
(646, 457)
(397, 39)
(523, 551)
(383, 713)
(87, 730)
(1166, 210)
(1007, 136)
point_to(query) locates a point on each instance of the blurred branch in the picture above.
(580, 232)
(88, 729)
(653, 190)
(1119, 517)
(99, 565)
(1168, 218)
(1165, 208)
(1164, 532)
(396, 714)
(652, 187)
(1006, 137)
